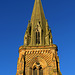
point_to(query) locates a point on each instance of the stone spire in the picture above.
(38, 32)
(38, 56)
(38, 13)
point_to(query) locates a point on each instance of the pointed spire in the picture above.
(38, 13)
(37, 32)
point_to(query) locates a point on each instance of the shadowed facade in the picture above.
(38, 55)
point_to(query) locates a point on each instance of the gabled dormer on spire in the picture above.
(38, 32)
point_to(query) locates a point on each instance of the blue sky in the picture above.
(14, 16)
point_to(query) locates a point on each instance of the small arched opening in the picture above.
(37, 37)
(34, 71)
(38, 66)
(30, 30)
(40, 71)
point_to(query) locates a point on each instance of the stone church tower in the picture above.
(38, 55)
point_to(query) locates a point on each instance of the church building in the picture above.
(38, 55)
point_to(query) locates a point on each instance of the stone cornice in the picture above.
(37, 48)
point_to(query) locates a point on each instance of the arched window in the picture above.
(39, 22)
(34, 71)
(30, 30)
(42, 33)
(37, 37)
(40, 71)
(37, 70)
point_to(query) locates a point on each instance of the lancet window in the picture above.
(37, 37)
(30, 30)
(34, 71)
(37, 71)
(40, 71)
